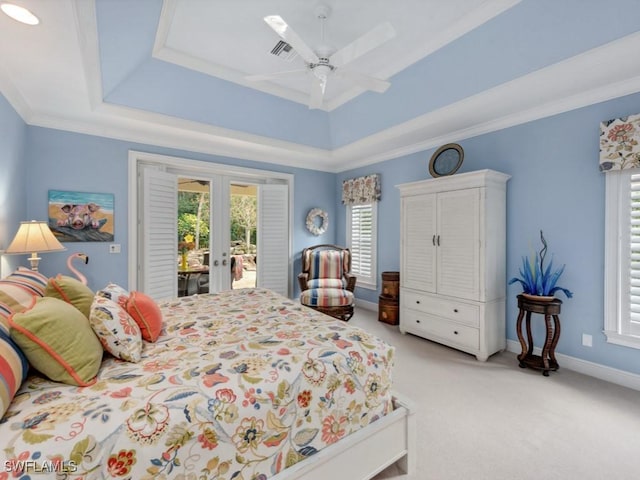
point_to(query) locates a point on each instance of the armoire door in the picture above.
(419, 247)
(458, 243)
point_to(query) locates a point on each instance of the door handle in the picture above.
(216, 263)
(224, 262)
(438, 240)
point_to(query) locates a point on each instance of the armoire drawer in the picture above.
(439, 329)
(442, 307)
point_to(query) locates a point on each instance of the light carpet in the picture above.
(497, 421)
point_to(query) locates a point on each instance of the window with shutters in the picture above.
(361, 240)
(622, 258)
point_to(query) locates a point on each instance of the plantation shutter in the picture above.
(634, 256)
(159, 248)
(273, 238)
(362, 242)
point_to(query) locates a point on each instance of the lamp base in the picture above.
(34, 259)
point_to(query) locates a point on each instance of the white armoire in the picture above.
(452, 261)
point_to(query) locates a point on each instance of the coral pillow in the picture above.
(13, 369)
(147, 315)
(71, 291)
(116, 330)
(58, 341)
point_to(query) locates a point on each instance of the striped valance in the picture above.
(620, 143)
(357, 191)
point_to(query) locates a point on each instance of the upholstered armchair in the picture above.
(326, 282)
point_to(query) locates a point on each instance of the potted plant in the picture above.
(538, 280)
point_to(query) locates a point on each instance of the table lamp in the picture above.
(34, 237)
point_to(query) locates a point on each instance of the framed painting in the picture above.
(81, 216)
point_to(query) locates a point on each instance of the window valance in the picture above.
(620, 143)
(357, 191)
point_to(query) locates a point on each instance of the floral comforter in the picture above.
(240, 385)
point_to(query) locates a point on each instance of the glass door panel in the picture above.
(194, 236)
(243, 214)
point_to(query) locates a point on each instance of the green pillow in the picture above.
(71, 291)
(57, 339)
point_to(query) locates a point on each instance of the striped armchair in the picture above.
(326, 282)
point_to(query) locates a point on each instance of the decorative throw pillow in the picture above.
(116, 330)
(114, 292)
(19, 290)
(5, 313)
(58, 341)
(71, 291)
(13, 369)
(147, 315)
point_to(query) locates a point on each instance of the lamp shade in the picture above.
(34, 236)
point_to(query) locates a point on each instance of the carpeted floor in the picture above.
(496, 421)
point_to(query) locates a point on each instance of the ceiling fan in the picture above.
(323, 63)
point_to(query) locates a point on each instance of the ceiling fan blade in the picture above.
(367, 42)
(317, 92)
(291, 37)
(365, 81)
(272, 76)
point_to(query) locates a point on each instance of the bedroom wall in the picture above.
(13, 192)
(556, 187)
(69, 161)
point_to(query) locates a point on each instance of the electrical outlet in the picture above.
(587, 340)
(114, 248)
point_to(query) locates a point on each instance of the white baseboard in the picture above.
(609, 374)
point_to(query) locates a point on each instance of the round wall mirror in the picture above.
(446, 160)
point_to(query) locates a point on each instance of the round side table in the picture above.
(550, 308)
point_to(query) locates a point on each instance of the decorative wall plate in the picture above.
(312, 224)
(446, 160)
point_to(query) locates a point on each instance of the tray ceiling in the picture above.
(172, 73)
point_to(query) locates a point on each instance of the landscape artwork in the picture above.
(81, 216)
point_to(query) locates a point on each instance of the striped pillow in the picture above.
(19, 290)
(13, 368)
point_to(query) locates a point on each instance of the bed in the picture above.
(243, 384)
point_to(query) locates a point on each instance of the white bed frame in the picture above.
(365, 453)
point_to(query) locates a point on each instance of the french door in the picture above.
(156, 237)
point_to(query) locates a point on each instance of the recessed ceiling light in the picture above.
(19, 14)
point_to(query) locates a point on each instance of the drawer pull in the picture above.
(455, 310)
(417, 301)
(417, 321)
(455, 332)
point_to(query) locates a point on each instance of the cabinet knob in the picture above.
(455, 310)
(455, 332)
(417, 301)
(417, 321)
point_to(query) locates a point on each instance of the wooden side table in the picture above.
(550, 308)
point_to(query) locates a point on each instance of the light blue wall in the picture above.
(556, 187)
(70, 161)
(13, 191)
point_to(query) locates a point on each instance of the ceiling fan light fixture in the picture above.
(19, 14)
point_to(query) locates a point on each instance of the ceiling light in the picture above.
(19, 14)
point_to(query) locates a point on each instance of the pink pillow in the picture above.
(144, 310)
